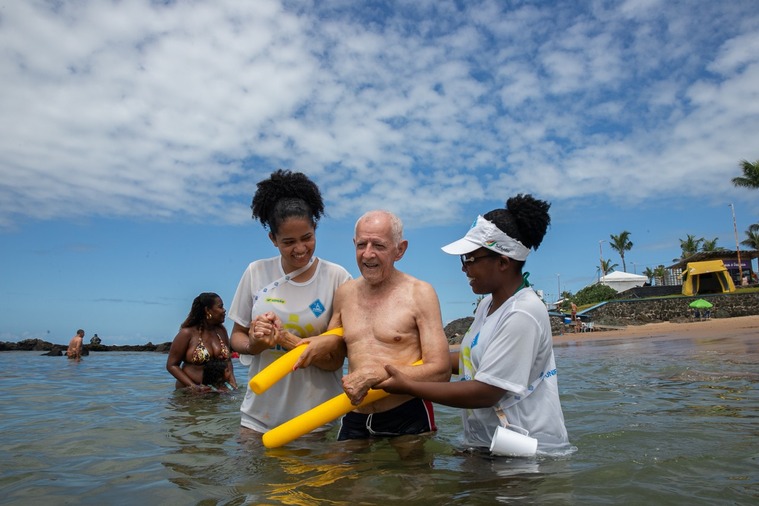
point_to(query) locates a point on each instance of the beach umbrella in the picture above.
(700, 304)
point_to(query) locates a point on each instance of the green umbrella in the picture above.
(700, 304)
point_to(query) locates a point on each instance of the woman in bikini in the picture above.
(200, 357)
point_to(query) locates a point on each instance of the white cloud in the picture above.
(140, 109)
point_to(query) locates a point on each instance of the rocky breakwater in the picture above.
(58, 350)
(672, 309)
(621, 313)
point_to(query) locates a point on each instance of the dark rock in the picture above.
(455, 330)
(57, 350)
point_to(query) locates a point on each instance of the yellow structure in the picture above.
(707, 277)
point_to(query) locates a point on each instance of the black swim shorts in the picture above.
(412, 417)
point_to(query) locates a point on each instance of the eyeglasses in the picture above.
(467, 261)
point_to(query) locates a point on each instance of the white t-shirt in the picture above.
(510, 349)
(305, 310)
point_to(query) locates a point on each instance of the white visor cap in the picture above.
(484, 234)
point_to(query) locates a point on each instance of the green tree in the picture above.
(649, 273)
(660, 273)
(477, 302)
(607, 267)
(752, 237)
(566, 301)
(621, 243)
(594, 294)
(690, 245)
(750, 178)
(711, 245)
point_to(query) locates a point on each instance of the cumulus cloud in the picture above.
(168, 110)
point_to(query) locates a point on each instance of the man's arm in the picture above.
(436, 360)
(326, 352)
(454, 356)
(266, 331)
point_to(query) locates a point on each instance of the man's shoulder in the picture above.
(351, 284)
(417, 284)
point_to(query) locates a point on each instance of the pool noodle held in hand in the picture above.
(318, 416)
(281, 367)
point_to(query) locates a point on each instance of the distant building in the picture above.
(621, 281)
(728, 257)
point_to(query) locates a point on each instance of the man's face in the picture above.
(376, 253)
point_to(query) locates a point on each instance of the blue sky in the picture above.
(133, 134)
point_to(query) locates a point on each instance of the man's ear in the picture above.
(402, 247)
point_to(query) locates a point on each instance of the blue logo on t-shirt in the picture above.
(317, 308)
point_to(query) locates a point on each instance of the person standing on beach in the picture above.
(74, 351)
(295, 288)
(388, 317)
(506, 362)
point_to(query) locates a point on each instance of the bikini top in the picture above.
(201, 355)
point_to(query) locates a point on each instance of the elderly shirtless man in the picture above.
(388, 317)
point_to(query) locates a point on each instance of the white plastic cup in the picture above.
(509, 443)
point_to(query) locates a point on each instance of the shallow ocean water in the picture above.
(658, 421)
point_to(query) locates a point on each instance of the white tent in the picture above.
(621, 281)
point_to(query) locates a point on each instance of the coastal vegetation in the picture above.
(750, 177)
(621, 243)
(607, 267)
(594, 294)
(752, 237)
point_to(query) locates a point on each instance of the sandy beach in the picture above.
(723, 333)
(722, 327)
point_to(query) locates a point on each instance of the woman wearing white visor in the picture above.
(506, 363)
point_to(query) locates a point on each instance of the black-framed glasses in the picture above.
(467, 261)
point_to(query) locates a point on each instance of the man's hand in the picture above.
(357, 384)
(265, 328)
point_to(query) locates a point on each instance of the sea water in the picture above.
(654, 422)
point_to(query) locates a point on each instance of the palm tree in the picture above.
(690, 245)
(477, 302)
(711, 245)
(649, 273)
(621, 243)
(750, 178)
(752, 237)
(660, 273)
(607, 266)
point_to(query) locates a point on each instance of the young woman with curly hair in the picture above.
(294, 288)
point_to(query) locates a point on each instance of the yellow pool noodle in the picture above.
(281, 367)
(318, 416)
